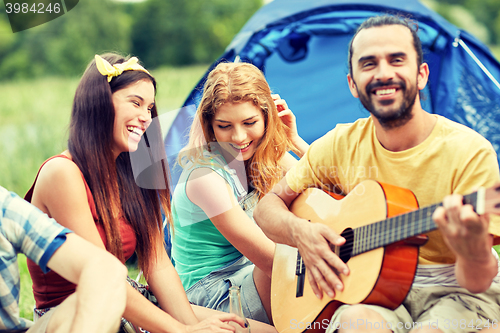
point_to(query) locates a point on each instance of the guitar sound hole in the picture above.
(344, 252)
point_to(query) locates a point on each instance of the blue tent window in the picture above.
(472, 97)
(294, 47)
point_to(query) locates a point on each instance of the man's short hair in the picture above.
(383, 20)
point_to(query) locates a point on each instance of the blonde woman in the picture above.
(237, 151)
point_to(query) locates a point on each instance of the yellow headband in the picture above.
(105, 68)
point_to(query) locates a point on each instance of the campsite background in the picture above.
(175, 40)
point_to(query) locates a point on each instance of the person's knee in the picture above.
(359, 318)
(426, 330)
(359, 311)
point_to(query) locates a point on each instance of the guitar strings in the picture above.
(369, 238)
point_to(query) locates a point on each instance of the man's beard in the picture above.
(396, 117)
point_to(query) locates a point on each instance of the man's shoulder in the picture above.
(461, 134)
(345, 135)
(454, 126)
(346, 130)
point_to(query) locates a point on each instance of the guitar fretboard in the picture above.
(397, 228)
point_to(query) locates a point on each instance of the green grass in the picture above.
(35, 115)
(34, 118)
(26, 300)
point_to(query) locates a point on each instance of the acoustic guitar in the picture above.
(381, 224)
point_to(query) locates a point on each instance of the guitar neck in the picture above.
(403, 226)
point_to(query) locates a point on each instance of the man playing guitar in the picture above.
(400, 144)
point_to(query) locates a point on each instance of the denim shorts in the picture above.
(213, 290)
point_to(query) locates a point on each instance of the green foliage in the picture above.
(7, 38)
(168, 32)
(35, 115)
(187, 32)
(496, 51)
(27, 302)
(485, 11)
(65, 45)
(463, 19)
(160, 32)
(174, 84)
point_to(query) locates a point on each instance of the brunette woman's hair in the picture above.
(239, 83)
(112, 181)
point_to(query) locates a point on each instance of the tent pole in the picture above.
(478, 62)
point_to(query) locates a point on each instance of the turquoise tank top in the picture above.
(198, 247)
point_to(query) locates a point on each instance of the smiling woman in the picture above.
(239, 128)
(237, 151)
(133, 107)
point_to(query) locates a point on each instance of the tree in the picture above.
(65, 45)
(485, 11)
(488, 12)
(186, 32)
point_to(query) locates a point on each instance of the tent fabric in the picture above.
(301, 46)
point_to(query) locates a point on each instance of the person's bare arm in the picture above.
(100, 280)
(166, 285)
(312, 239)
(209, 191)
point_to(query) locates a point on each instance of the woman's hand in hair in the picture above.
(288, 118)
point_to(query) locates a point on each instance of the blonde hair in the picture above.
(239, 83)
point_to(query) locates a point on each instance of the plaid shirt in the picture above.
(23, 229)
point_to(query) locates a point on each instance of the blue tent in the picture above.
(301, 46)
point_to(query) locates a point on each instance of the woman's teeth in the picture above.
(135, 130)
(241, 147)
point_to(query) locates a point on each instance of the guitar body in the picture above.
(382, 276)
